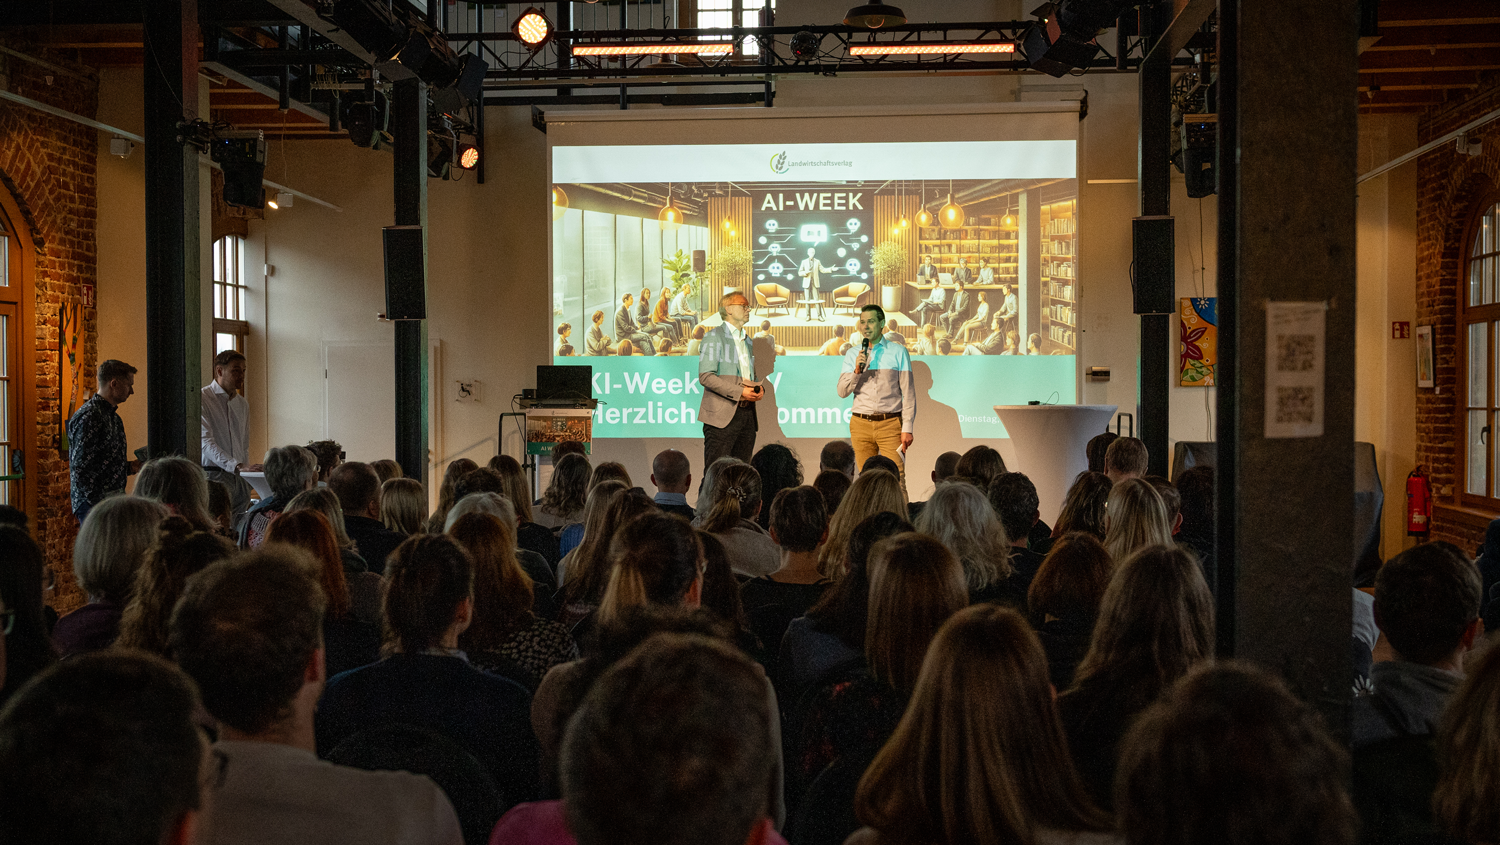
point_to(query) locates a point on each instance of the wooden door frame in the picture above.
(23, 266)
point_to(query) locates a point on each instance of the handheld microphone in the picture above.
(864, 348)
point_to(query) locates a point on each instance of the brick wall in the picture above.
(1449, 186)
(47, 164)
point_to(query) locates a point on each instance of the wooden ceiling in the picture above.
(1429, 52)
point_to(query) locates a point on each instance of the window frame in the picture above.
(21, 290)
(1468, 315)
(230, 293)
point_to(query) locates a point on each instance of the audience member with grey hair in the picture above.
(289, 471)
(106, 555)
(960, 517)
(179, 484)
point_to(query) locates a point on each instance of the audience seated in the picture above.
(249, 632)
(610, 471)
(721, 595)
(1064, 598)
(323, 501)
(529, 535)
(960, 517)
(506, 633)
(289, 471)
(591, 524)
(387, 469)
(880, 462)
(1170, 499)
(329, 455)
(1466, 802)
(1134, 518)
(180, 551)
(403, 507)
(844, 719)
(104, 749)
(351, 615)
(357, 487)
(25, 648)
(1229, 755)
(1196, 488)
(980, 754)
(672, 476)
(731, 515)
(448, 493)
(779, 470)
(837, 456)
(533, 564)
(587, 569)
(1156, 621)
(426, 681)
(799, 526)
(562, 503)
(180, 485)
(656, 559)
(221, 509)
(1083, 508)
(942, 469)
(832, 485)
(623, 776)
(980, 464)
(833, 631)
(875, 491)
(109, 549)
(1125, 458)
(1017, 505)
(1097, 446)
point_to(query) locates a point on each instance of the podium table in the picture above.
(1051, 443)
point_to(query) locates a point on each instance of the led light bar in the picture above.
(637, 48)
(930, 48)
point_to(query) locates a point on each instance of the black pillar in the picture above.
(409, 123)
(1289, 150)
(172, 254)
(1156, 200)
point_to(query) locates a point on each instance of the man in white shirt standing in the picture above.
(226, 429)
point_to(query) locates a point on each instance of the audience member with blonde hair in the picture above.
(566, 493)
(960, 517)
(731, 516)
(873, 492)
(1156, 622)
(1230, 755)
(530, 535)
(448, 493)
(351, 620)
(323, 500)
(610, 471)
(403, 506)
(387, 469)
(657, 560)
(1135, 517)
(594, 543)
(179, 484)
(180, 551)
(980, 754)
(109, 549)
(590, 571)
(1063, 601)
(506, 633)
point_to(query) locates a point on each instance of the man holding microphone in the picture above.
(878, 373)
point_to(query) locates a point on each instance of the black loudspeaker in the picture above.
(405, 273)
(1155, 279)
(700, 261)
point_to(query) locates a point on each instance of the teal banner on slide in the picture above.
(658, 396)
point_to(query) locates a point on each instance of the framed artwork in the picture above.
(1199, 338)
(1426, 377)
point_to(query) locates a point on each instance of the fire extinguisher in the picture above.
(1418, 503)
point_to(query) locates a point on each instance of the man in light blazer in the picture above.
(726, 369)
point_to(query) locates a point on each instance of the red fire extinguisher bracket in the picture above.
(1418, 503)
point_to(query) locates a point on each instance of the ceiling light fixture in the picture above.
(929, 48)
(952, 214)
(875, 16)
(639, 48)
(670, 217)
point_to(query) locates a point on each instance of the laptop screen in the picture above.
(564, 384)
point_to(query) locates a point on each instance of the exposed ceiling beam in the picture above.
(308, 15)
(1447, 13)
(1445, 59)
(263, 90)
(1446, 37)
(1412, 81)
(1187, 18)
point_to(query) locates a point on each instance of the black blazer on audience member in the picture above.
(684, 511)
(488, 716)
(372, 540)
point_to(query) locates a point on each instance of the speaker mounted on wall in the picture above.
(405, 273)
(1155, 269)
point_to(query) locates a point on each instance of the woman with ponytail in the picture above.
(180, 550)
(658, 560)
(426, 682)
(730, 516)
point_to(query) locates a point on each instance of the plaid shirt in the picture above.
(96, 453)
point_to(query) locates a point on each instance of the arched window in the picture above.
(1479, 340)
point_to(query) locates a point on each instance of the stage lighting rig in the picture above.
(468, 156)
(1195, 128)
(402, 43)
(241, 154)
(466, 90)
(533, 29)
(367, 120)
(441, 145)
(805, 46)
(1062, 39)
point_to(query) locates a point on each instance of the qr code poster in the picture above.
(1295, 337)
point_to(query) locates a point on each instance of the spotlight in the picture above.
(467, 88)
(875, 16)
(272, 204)
(805, 46)
(532, 28)
(559, 202)
(367, 121)
(468, 156)
(242, 155)
(1062, 39)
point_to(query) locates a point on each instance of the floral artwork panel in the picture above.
(1199, 340)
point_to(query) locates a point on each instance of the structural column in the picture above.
(1155, 182)
(409, 124)
(1286, 388)
(172, 251)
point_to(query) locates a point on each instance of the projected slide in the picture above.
(969, 247)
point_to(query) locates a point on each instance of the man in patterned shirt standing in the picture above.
(97, 459)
